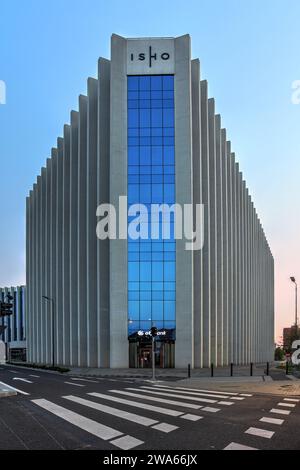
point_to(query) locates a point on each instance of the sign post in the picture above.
(153, 334)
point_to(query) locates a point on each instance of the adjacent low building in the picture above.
(148, 131)
(13, 327)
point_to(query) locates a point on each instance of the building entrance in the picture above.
(140, 354)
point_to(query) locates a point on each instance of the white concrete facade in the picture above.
(224, 292)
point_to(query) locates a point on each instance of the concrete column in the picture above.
(119, 350)
(91, 280)
(59, 251)
(225, 245)
(235, 258)
(206, 249)
(28, 278)
(42, 243)
(213, 228)
(54, 294)
(66, 246)
(184, 349)
(219, 239)
(230, 252)
(74, 238)
(47, 306)
(197, 196)
(103, 164)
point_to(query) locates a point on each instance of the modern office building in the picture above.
(12, 328)
(148, 131)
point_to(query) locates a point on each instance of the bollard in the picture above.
(251, 369)
(212, 370)
(268, 368)
(189, 371)
(231, 370)
(287, 368)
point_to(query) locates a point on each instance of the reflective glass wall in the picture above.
(151, 180)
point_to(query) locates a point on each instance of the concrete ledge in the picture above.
(6, 392)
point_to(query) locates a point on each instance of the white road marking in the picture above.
(235, 446)
(272, 420)
(164, 427)
(75, 385)
(13, 371)
(198, 390)
(138, 419)
(85, 380)
(187, 393)
(280, 412)
(202, 400)
(126, 442)
(246, 395)
(190, 417)
(23, 380)
(14, 389)
(209, 409)
(226, 403)
(100, 430)
(286, 405)
(260, 433)
(294, 400)
(136, 404)
(159, 400)
(36, 376)
(237, 398)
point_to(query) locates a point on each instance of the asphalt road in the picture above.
(53, 411)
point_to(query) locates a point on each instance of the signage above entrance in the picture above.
(150, 56)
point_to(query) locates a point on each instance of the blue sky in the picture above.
(249, 52)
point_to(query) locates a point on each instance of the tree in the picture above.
(279, 354)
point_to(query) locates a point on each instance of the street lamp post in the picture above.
(49, 299)
(293, 279)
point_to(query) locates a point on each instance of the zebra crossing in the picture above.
(168, 406)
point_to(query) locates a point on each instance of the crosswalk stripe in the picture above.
(74, 384)
(85, 380)
(191, 417)
(99, 430)
(260, 433)
(14, 389)
(198, 390)
(164, 427)
(246, 395)
(138, 419)
(184, 397)
(226, 403)
(272, 420)
(235, 446)
(287, 405)
(159, 400)
(280, 412)
(237, 398)
(136, 404)
(210, 409)
(188, 393)
(126, 442)
(291, 399)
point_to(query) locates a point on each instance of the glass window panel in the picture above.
(171, 256)
(144, 83)
(145, 141)
(157, 193)
(133, 170)
(170, 286)
(133, 104)
(169, 170)
(169, 156)
(145, 170)
(145, 179)
(133, 141)
(145, 246)
(169, 325)
(158, 295)
(134, 295)
(169, 295)
(157, 179)
(157, 286)
(145, 131)
(132, 179)
(133, 156)
(158, 310)
(133, 83)
(169, 310)
(133, 95)
(156, 95)
(133, 286)
(169, 141)
(156, 117)
(145, 155)
(169, 271)
(145, 272)
(145, 256)
(133, 309)
(168, 82)
(157, 272)
(145, 325)
(145, 286)
(157, 141)
(133, 118)
(168, 117)
(157, 170)
(133, 132)
(145, 95)
(145, 295)
(145, 118)
(145, 104)
(169, 193)
(157, 256)
(133, 271)
(168, 104)
(168, 94)
(156, 104)
(145, 310)
(133, 247)
(132, 256)
(156, 82)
